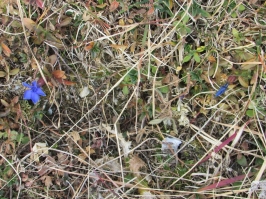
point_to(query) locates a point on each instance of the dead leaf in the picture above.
(37, 150)
(52, 59)
(66, 82)
(30, 24)
(75, 136)
(59, 74)
(82, 158)
(47, 180)
(6, 50)
(89, 150)
(243, 82)
(114, 5)
(150, 11)
(89, 46)
(211, 59)
(65, 22)
(135, 164)
(119, 47)
(40, 4)
(44, 169)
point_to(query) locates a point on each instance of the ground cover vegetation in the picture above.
(132, 99)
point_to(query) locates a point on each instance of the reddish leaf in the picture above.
(225, 182)
(40, 4)
(150, 11)
(114, 5)
(6, 50)
(59, 74)
(65, 82)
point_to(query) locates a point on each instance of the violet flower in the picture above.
(33, 93)
(221, 90)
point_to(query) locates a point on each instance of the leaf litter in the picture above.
(126, 83)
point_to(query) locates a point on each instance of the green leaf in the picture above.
(187, 58)
(242, 161)
(234, 15)
(164, 89)
(185, 19)
(125, 90)
(196, 57)
(241, 8)
(201, 49)
(250, 113)
(235, 33)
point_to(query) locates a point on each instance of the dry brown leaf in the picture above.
(37, 150)
(89, 150)
(89, 46)
(59, 74)
(66, 82)
(30, 24)
(75, 136)
(82, 157)
(119, 47)
(47, 180)
(135, 164)
(211, 59)
(6, 50)
(65, 22)
(114, 5)
(52, 59)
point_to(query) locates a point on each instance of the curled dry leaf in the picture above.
(37, 150)
(6, 50)
(135, 164)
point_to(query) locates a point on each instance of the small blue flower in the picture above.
(221, 90)
(33, 93)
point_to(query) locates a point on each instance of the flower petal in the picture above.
(26, 85)
(39, 91)
(27, 94)
(34, 84)
(35, 97)
(221, 90)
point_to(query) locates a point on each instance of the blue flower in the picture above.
(221, 90)
(33, 93)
